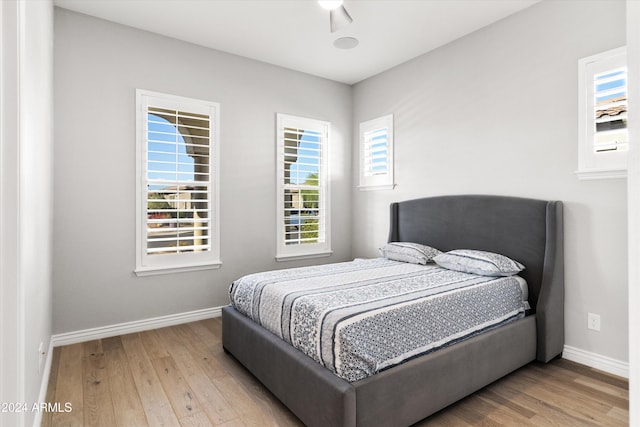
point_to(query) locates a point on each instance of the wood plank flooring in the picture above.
(180, 376)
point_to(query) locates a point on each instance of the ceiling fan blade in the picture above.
(339, 18)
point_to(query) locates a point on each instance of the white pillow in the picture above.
(414, 253)
(478, 262)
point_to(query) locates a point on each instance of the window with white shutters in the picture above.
(604, 139)
(303, 228)
(610, 111)
(376, 154)
(177, 192)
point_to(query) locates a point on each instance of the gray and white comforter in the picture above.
(358, 318)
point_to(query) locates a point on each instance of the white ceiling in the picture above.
(295, 33)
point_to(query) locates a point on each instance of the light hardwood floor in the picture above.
(180, 376)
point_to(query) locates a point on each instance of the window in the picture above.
(376, 154)
(177, 194)
(603, 137)
(303, 193)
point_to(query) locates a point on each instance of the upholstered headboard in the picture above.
(527, 230)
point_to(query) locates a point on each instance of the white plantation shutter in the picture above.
(610, 110)
(177, 196)
(303, 202)
(603, 135)
(376, 153)
(178, 182)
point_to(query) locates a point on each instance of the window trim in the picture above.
(383, 181)
(174, 263)
(592, 165)
(302, 251)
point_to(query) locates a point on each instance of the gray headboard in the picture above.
(527, 230)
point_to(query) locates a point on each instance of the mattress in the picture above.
(358, 318)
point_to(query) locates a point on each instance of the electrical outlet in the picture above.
(41, 357)
(593, 322)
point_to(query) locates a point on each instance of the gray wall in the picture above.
(496, 113)
(26, 208)
(98, 66)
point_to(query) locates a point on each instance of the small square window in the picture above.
(376, 154)
(603, 135)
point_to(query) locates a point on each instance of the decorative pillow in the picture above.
(478, 262)
(414, 253)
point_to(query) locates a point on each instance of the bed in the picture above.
(526, 230)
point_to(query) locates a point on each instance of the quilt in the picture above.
(361, 317)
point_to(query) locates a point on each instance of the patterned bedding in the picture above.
(358, 318)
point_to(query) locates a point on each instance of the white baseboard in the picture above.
(132, 327)
(597, 361)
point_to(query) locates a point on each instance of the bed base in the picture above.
(399, 396)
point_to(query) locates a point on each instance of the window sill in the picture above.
(376, 187)
(592, 174)
(157, 270)
(281, 258)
